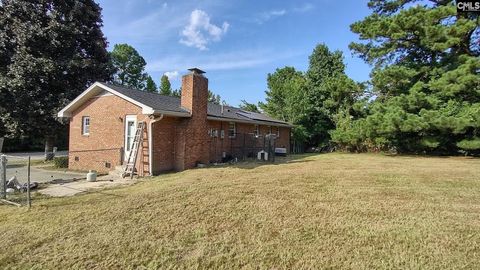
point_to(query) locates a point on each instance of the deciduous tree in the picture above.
(250, 107)
(50, 51)
(129, 67)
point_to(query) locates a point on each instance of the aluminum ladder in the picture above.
(132, 156)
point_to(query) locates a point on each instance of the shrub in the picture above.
(60, 162)
(430, 143)
(473, 144)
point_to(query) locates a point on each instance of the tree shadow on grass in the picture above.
(429, 156)
(252, 163)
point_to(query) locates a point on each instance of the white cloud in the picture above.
(275, 13)
(199, 32)
(172, 75)
(158, 25)
(268, 15)
(306, 7)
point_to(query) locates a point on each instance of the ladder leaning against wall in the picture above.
(133, 154)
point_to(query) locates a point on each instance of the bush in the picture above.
(60, 162)
(470, 147)
(473, 144)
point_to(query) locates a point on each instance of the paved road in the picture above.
(39, 175)
(36, 155)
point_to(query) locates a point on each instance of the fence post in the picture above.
(29, 201)
(3, 176)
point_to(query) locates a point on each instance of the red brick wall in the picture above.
(163, 137)
(179, 143)
(192, 144)
(106, 139)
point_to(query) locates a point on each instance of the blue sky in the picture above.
(236, 42)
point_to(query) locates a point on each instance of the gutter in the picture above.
(264, 123)
(172, 113)
(150, 142)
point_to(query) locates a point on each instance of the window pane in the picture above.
(85, 125)
(130, 127)
(231, 129)
(130, 134)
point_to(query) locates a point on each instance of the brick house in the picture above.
(180, 132)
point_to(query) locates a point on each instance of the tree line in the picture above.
(51, 51)
(423, 95)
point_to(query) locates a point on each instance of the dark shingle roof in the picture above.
(153, 100)
(169, 103)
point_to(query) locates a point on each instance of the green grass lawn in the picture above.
(324, 211)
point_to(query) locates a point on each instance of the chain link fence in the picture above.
(15, 190)
(243, 146)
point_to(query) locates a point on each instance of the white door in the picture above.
(130, 127)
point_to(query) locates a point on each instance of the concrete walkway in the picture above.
(81, 186)
(39, 175)
(36, 155)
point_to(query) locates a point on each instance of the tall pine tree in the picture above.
(165, 86)
(150, 85)
(426, 79)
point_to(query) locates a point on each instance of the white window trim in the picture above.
(234, 129)
(84, 125)
(278, 132)
(256, 132)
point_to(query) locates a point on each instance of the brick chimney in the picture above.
(195, 92)
(192, 133)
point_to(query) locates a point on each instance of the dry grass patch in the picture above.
(324, 211)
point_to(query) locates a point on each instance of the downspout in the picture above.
(150, 142)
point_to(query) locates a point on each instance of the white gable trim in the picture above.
(92, 91)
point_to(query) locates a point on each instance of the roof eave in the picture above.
(171, 113)
(225, 119)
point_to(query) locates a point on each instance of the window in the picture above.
(270, 130)
(278, 132)
(213, 132)
(256, 132)
(231, 130)
(86, 125)
(222, 134)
